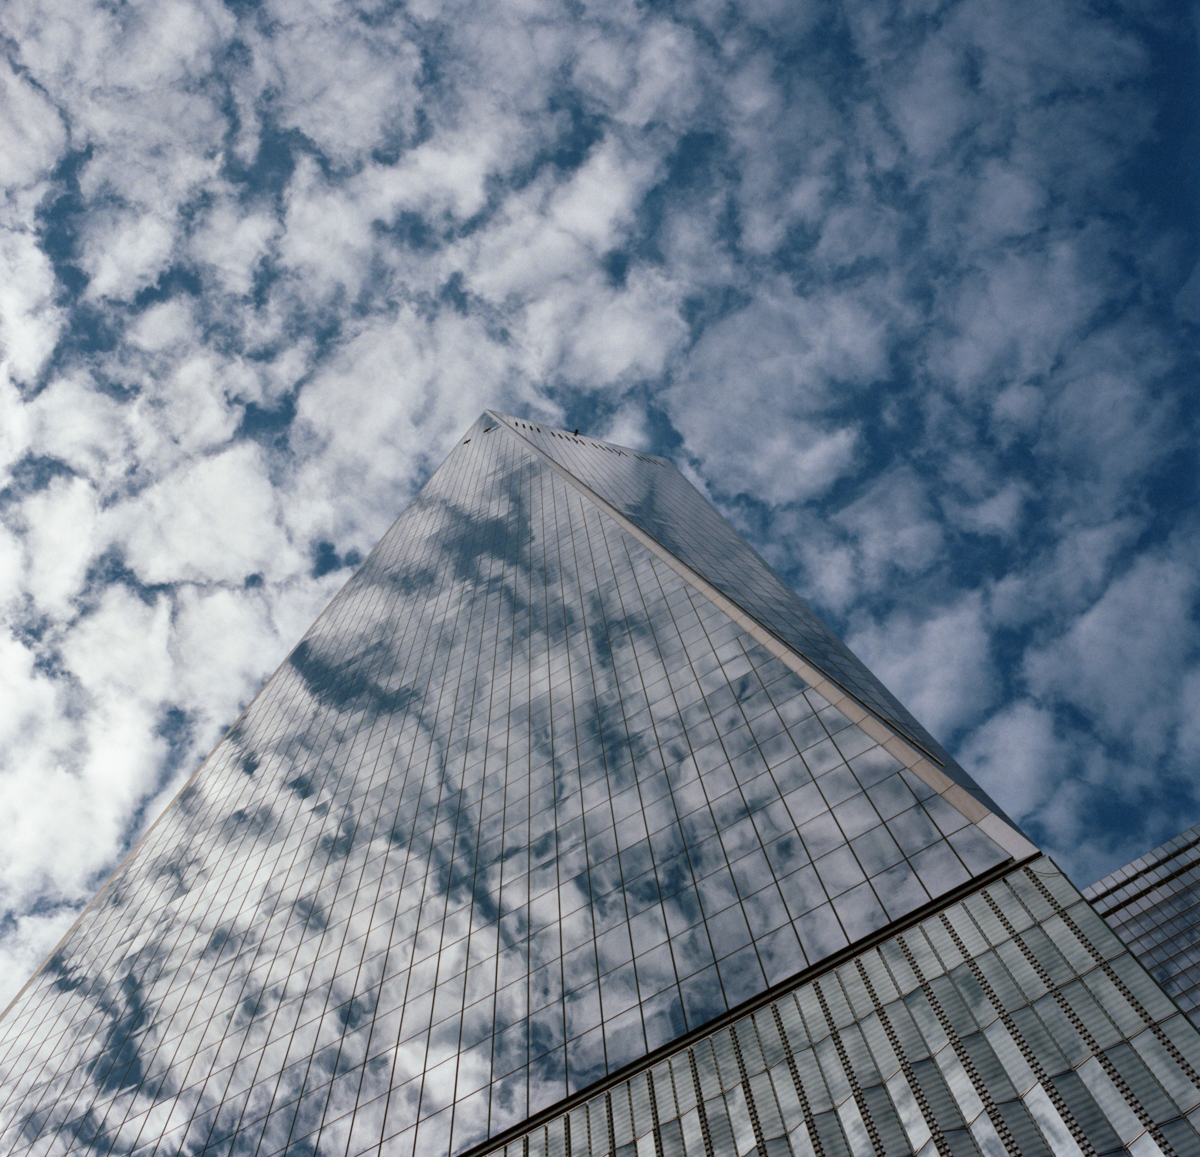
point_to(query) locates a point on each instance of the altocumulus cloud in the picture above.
(912, 294)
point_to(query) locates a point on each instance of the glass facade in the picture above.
(657, 499)
(563, 780)
(1153, 905)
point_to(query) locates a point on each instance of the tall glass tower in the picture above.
(568, 830)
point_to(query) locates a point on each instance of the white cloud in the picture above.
(894, 528)
(34, 133)
(30, 322)
(934, 101)
(1014, 318)
(380, 416)
(85, 429)
(1018, 758)
(1119, 662)
(231, 241)
(118, 651)
(215, 521)
(125, 253)
(1066, 579)
(668, 83)
(216, 645)
(853, 233)
(327, 69)
(1189, 710)
(779, 357)
(1109, 423)
(61, 540)
(14, 426)
(998, 513)
(603, 336)
(33, 141)
(602, 195)
(79, 753)
(627, 427)
(1007, 203)
(939, 666)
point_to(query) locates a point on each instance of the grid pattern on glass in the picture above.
(659, 500)
(520, 807)
(1153, 904)
(1012, 1022)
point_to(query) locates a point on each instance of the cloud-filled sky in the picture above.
(911, 292)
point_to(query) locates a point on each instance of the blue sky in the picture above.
(911, 292)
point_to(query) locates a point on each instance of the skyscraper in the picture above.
(1153, 905)
(569, 829)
